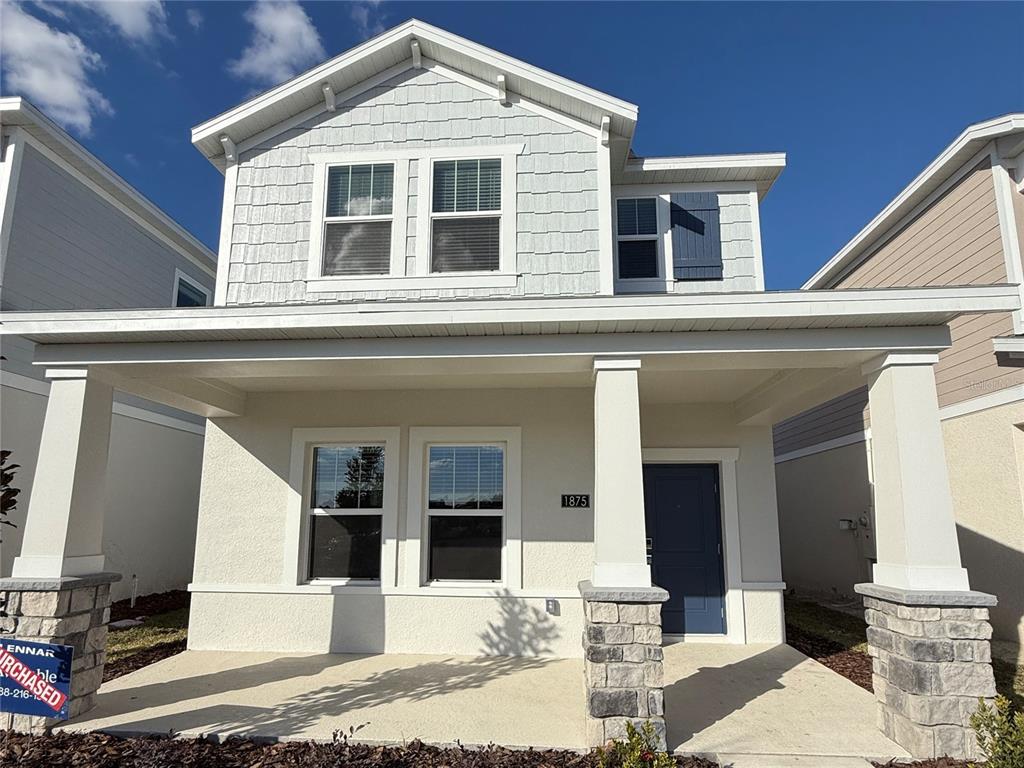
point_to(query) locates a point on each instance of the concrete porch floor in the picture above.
(745, 705)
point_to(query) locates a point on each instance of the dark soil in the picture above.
(141, 659)
(96, 750)
(149, 605)
(942, 762)
(853, 665)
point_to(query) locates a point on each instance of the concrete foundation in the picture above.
(70, 611)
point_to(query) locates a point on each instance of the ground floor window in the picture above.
(465, 510)
(346, 514)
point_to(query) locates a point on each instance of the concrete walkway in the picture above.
(746, 706)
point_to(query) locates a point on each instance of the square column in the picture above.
(928, 633)
(64, 526)
(620, 552)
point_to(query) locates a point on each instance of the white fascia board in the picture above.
(232, 122)
(854, 308)
(756, 161)
(952, 157)
(1010, 345)
(16, 111)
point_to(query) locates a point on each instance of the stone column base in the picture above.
(72, 610)
(624, 661)
(931, 663)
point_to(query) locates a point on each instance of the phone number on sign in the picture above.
(14, 693)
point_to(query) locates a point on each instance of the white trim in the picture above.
(1014, 394)
(853, 438)
(755, 226)
(1008, 231)
(668, 187)
(227, 228)
(296, 532)
(42, 388)
(726, 459)
(316, 281)
(894, 213)
(437, 281)
(414, 578)
(605, 220)
(179, 277)
(755, 160)
(351, 589)
(80, 177)
(662, 246)
(10, 172)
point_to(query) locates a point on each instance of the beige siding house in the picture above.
(75, 236)
(958, 223)
(479, 380)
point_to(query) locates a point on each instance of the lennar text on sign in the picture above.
(30, 680)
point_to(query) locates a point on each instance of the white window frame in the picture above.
(300, 510)
(180, 277)
(420, 276)
(416, 575)
(662, 281)
(319, 218)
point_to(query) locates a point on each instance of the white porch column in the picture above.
(620, 553)
(64, 527)
(915, 528)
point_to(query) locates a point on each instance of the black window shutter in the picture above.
(696, 236)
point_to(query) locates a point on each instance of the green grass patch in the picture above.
(159, 629)
(842, 628)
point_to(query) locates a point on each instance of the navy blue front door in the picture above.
(684, 540)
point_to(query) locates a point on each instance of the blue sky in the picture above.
(860, 96)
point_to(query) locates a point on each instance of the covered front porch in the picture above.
(731, 703)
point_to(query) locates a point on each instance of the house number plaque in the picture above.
(575, 500)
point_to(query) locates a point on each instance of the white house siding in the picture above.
(71, 249)
(152, 494)
(556, 189)
(246, 597)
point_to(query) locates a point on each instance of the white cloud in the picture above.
(50, 68)
(195, 18)
(365, 15)
(51, 8)
(284, 42)
(138, 21)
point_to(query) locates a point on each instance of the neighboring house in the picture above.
(960, 222)
(476, 375)
(75, 236)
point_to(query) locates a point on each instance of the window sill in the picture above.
(643, 285)
(412, 282)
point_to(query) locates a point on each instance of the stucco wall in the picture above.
(246, 598)
(985, 455)
(152, 494)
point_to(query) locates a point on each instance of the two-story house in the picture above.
(480, 380)
(76, 236)
(960, 222)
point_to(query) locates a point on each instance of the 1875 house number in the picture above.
(575, 500)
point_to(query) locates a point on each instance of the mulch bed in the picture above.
(942, 762)
(149, 605)
(96, 750)
(141, 659)
(853, 665)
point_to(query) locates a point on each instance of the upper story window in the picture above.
(359, 201)
(466, 216)
(638, 235)
(188, 292)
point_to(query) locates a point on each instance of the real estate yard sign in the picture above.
(35, 678)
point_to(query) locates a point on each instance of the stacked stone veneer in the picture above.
(66, 611)
(931, 664)
(624, 661)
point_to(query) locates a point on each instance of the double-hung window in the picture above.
(466, 216)
(637, 235)
(465, 512)
(358, 214)
(346, 514)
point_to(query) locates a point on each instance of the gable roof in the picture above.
(19, 112)
(391, 52)
(973, 139)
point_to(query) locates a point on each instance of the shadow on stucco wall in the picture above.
(999, 570)
(521, 630)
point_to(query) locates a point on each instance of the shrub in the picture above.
(639, 750)
(1000, 734)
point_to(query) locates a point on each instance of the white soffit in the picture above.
(392, 48)
(761, 168)
(967, 144)
(18, 112)
(512, 317)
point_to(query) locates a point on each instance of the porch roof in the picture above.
(781, 310)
